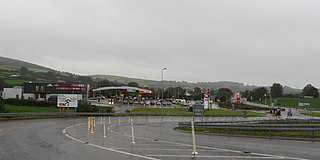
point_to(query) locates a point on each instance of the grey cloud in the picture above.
(253, 42)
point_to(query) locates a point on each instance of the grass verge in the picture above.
(317, 114)
(184, 112)
(162, 111)
(21, 109)
(32, 117)
(260, 133)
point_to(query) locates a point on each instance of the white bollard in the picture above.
(129, 119)
(88, 123)
(92, 129)
(104, 131)
(104, 121)
(94, 121)
(101, 120)
(109, 120)
(194, 152)
(119, 120)
(132, 131)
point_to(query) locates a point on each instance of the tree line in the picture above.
(277, 91)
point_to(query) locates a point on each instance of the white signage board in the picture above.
(67, 100)
(304, 104)
(206, 103)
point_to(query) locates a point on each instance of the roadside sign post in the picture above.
(198, 110)
(91, 123)
(206, 99)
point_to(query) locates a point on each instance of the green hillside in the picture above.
(10, 73)
(7, 64)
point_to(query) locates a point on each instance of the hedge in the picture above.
(29, 102)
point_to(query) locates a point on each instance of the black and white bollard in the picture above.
(104, 131)
(132, 131)
(194, 152)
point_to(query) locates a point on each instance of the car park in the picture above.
(147, 102)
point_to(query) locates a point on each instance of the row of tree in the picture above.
(223, 94)
(277, 91)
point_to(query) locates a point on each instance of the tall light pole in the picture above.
(162, 88)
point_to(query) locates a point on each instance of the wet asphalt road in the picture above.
(45, 140)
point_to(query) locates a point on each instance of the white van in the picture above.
(181, 102)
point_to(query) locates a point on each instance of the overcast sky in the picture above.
(256, 42)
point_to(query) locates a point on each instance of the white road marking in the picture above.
(197, 156)
(105, 148)
(157, 149)
(212, 148)
(265, 156)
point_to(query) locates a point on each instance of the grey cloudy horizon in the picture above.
(248, 41)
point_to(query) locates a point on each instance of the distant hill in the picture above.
(234, 86)
(8, 63)
(9, 67)
(288, 89)
(10, 73)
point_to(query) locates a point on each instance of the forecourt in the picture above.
(53, 139)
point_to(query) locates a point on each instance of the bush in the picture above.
(29, 102)
(85, 106)
(2, 109)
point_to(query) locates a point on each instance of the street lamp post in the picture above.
(162, 88)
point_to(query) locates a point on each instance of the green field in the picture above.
(293, 102)
(317, 114)
(184, 112)
(162, 111)
(6, 68)
(15, 82)
(43, 70)
(20, 109)
(222, 112)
